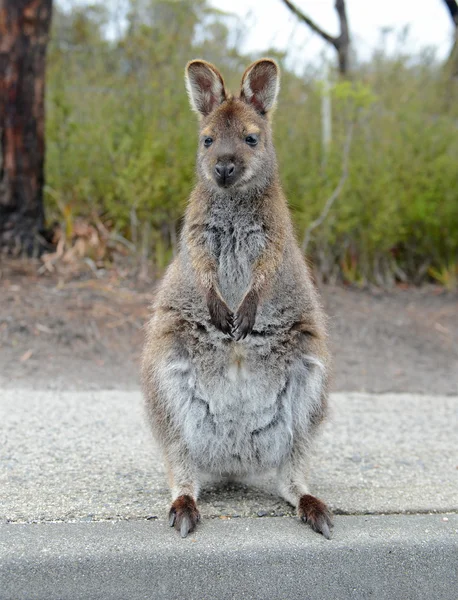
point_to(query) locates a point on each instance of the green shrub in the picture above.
(121, 143)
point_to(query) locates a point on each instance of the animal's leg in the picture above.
(308, 385)
(183, 514)
(294, 489)
(168, 384)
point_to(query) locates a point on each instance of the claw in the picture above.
(246, 316)
(184, 515)
(240, 333)
(220, 314)
(315, 512)
(325, 530)
(185, 526)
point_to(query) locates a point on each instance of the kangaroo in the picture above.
(235, 366)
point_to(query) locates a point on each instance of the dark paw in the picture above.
(184, 515)
(220, 314)
(246, 316)
(315, 512)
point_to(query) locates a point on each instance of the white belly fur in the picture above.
(237, 415)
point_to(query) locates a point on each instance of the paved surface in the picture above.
(83, 504)
(81, 456)
(382, 557)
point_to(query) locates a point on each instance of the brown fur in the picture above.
(207, 318)
(184, 515)
(315, 512)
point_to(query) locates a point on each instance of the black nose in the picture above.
(224, 172)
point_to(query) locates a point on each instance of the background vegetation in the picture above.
(121, 141)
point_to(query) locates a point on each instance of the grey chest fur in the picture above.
(235, 240)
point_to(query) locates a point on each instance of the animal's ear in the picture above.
(261, 84)
(205, 86)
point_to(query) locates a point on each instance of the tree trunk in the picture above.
(341, 42)
(452, 61)
(24, 32)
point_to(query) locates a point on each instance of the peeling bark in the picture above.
(24, 34)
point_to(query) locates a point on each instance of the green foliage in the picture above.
(121, 142)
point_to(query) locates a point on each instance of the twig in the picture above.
(134, 225)
(313, 26)
(143, 275)
(335, 194)
(117, 237)
(340, 42)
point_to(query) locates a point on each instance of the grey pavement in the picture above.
(72, 456)
(385, 558)
(84, 499)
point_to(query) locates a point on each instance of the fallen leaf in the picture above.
(441, 328)
(26, 356)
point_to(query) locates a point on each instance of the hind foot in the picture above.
(184, 515)
(313, 511)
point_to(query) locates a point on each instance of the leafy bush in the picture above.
(121, 142)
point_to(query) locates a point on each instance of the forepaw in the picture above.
(313, 511)
(220, 314)
(246, 316)
(184, 515)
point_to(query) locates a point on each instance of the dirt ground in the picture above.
(86, 332)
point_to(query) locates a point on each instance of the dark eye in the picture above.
(251, 140)
(208, 142)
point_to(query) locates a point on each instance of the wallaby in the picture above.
(235, 366)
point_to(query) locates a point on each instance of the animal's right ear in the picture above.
(260, 85)
(205, 86)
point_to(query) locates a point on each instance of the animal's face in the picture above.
(235, 140)
(234, 145)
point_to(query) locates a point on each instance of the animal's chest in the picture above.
(235, 245)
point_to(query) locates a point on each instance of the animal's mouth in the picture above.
(226, 184)
(231, 182)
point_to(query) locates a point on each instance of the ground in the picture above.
(84, 495)
(86, 332)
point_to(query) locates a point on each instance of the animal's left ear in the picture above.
(261, 84)
(205, 86)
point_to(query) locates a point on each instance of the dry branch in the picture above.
(341, 42)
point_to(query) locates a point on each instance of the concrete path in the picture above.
(83, 506)
(385, 558)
